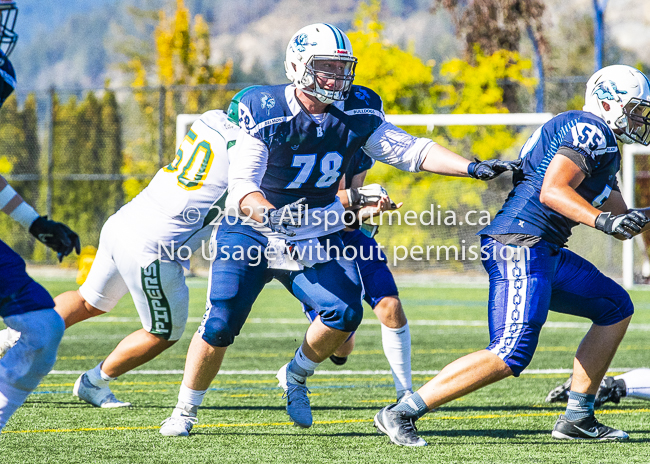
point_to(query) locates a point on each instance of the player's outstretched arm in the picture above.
(441, 160)
(392, 145)
(55, 235)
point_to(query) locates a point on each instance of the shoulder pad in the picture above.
(363, 97)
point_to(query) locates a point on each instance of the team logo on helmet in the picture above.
(267, 101)
(302, 41)
(604, 91)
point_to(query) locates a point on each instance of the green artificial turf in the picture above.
(243, 418)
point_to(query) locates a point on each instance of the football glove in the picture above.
(627, 224)
(55, 235)
(486, 170)
(366, 195)
(289, 215)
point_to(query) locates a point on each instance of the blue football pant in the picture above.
(525, 285)
(378, 282)
(332, 288)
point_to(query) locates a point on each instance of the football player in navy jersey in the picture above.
(284, 216)
(25, 306)
(380, 290)
(568, 177)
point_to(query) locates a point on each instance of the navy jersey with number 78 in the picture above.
(307, 156)
(582, 132)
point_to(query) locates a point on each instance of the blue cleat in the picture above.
(298, 406)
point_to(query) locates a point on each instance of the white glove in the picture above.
(366, 195)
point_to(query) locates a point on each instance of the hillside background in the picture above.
(78, 44)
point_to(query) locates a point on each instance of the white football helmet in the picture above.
(309, 58)
(621, 96)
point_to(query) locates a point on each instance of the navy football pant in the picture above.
(332, 288)
(378, 281)
(19, 293)
(525, 283)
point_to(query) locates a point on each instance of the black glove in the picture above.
(486, 170)
(622, 224)
(289, 215)
(55, 235)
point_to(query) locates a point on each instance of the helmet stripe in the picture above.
(340, 43)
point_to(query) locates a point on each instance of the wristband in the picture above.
(354, 197)
(24, 214)
(471, 169)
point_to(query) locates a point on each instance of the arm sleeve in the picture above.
(578, 158)
(247, 168)
(590, 140)
(391, 145)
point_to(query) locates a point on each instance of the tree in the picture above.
(406, 84)
(20, 157)
(87, 141)
(181, 57)
(401, 78)
(496, 25)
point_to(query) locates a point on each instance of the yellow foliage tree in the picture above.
(406, 84)
(399, 77)
(182, 57)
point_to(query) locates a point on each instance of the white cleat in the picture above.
(178, 426)
(97, 396)
(8, 338)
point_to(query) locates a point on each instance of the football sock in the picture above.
(187, 396)
(300, 367)
(11, 398)
(414, 406)
(397, 348)
(580, 405)
(98, 377)
(636, 383)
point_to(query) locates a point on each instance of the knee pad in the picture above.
(346, 319)
(216, 332)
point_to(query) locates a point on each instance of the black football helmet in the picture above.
(8, 37)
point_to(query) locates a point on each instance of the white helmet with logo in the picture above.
(621, 96)
(310, 53)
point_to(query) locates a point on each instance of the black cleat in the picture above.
(399, 428)
(338, 360)
(585, 429)
(560, 394)
(610, 390)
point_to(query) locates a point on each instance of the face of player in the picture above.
(332, 74)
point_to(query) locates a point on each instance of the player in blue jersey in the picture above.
(568, 177)
(25, 306)
(284, 216)
(380, 290)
